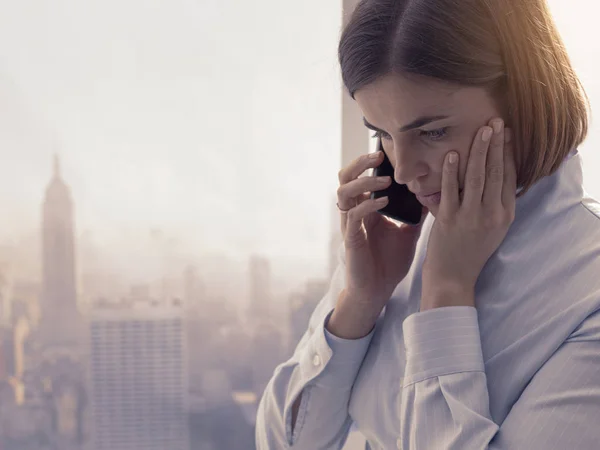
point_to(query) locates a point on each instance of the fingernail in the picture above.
(487, 134)
(497, 124)
(375, 155)
(453, 158)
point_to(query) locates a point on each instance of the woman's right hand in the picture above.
(379, 251)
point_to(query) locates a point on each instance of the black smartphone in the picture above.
(402, 204)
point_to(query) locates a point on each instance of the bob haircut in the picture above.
(509, 47)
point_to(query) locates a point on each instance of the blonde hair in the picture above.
(510, 47)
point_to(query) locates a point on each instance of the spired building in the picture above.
(61, 323)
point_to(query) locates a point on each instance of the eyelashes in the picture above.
(433, 135)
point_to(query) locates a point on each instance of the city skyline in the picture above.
(134, 350)
(215, 269)
(181, 143)
(200, 143)
(113, 130)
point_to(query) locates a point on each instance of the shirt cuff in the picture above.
(342, 357)
(442, 341)
(326, 361)
(345, 350)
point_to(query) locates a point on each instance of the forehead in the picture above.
(407, 97)
(394, 89)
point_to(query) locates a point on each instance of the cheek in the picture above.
(463, 156)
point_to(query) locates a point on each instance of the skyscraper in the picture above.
(139, 382)
(60, 323)
(261, 301)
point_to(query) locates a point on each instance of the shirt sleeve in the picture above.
(323, 368)
(445, 401)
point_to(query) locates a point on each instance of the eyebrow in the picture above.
(424, 120)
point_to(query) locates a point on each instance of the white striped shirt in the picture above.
(521, 370)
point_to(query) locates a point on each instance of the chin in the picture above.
(433, 210)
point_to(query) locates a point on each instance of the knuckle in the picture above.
(452, 184)
(374, 183)
(341, 175)
(353, 214)
(476, 181)
(495, 173)
(446, 220)
(493, 220)
(354, 240)
(365, 162)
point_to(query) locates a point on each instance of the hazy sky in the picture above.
(214, 121)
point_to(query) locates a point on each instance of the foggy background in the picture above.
(199, 141)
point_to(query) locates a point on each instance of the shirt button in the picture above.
(316, 360)
(399, 444)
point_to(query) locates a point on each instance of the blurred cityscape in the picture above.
(87, 364)
(138, 340)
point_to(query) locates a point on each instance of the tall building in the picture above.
(139, 382)
(60, 323)
(193, 288)
(261, 301)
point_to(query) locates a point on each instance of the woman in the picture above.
(479, 328)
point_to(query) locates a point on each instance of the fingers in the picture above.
(348, 192)
(450, 201)
(476, 169)
(352, 191)
(490, 178)
(494, 175)
(355, 234)
(353, 170)
(359, 200)
(357, 191)
(509, 187)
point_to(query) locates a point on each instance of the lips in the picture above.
(430, 200)
(426, 195)
(418, 194)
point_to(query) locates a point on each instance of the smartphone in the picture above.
(402, 204)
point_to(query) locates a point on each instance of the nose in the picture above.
(405, 168)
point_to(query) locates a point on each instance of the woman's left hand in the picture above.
(467, 232)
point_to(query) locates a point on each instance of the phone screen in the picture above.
(402, 204)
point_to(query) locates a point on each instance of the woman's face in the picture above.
(393, 107)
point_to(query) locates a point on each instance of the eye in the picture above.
(381, 135)
(434, 135)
